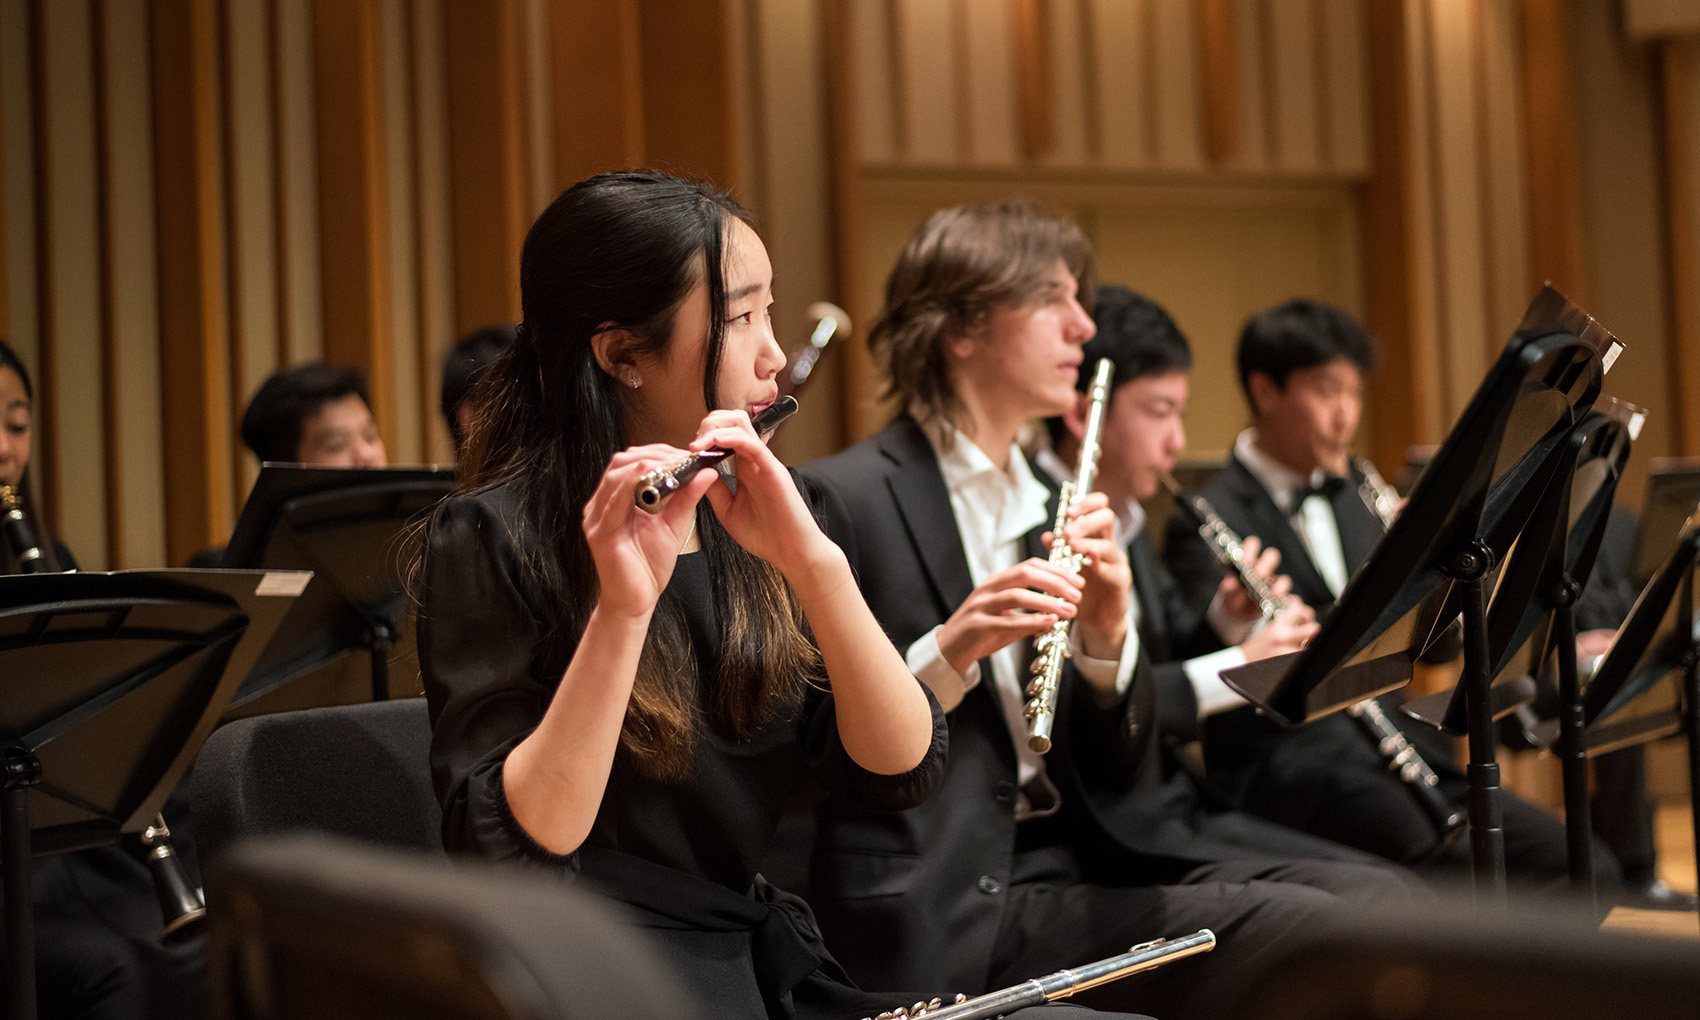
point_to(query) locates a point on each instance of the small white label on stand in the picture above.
(288, 582)
(1610, 356)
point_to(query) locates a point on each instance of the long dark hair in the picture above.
(622, 251)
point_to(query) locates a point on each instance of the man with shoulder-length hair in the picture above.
(1021, 863)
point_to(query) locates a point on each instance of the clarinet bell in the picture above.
(180, 902)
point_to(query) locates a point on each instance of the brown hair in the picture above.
(961, 264)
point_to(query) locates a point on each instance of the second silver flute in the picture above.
(654, 488)
(1051, 646)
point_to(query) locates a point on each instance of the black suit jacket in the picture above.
(1239, 743)
(915, 899)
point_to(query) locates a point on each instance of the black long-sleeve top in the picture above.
(683, 853)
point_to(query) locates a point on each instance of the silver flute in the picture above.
(1060, 985)
(653, 489)
(1381, 498)
(1051, 647)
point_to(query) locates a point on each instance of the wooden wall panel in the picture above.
(71, 386)
(1177, 93)
(928, 55)
(596, 82)
(691, 113)
(189, 200)
(402, 444)
(1071, 93)
(354, 228)
(1505, 178)
(1292, 53)
(17, 179)
(250, 170)
(134, 371)
(1342, 82)
(1126, 95)
(993, 100)
(1680, 91)
(434, 282)
(1255, 94)
(301, 314)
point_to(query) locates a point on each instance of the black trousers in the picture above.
(1065, 911)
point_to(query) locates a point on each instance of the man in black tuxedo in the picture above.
(1184, 647)
(1293, 483)
(1020, 864)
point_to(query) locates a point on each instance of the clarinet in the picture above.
(181, 904)
(1051, 647)
(1395, 750)
(19, 535)
(1060, 985)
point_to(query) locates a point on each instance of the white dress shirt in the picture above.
(993, 510)
(1314, 519)
(1204, 672)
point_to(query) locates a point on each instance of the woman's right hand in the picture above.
(634, 550)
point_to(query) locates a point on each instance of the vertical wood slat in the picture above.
(1031, 31)
(995, 85)
(1068, 55)
(927, 58)
(1347, 120)
(1120, 36)
(5, 246)
(1677, 75)
(863, 28)
(1505, 223)
(1461, 268)
(1218, 68)
(691, 116)
(189, 202)
(72, 388)
(1293, 62)
(1553, 182)
(1254, 93)
(138, 487)
(432, 285)
(1392, 293)
(843, 41)
(486, 158)
(596, 79)
(1180, 132)
(403, 444)
(295, 146)
(354, 253)
(111, 434)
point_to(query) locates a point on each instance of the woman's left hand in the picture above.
(1107, 580)
(766, 515)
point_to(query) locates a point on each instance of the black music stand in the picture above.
(1531, 617)
(1648, 683)
(350, 527)
(109, 683)
(1673, 489)
(1461, 517)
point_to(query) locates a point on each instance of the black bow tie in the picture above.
(1327, 488)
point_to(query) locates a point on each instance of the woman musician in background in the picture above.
(97, 917)
(631, 696)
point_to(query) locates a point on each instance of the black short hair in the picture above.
(1138, 337)
(271, 427)
(1300, 334)
(464, 364)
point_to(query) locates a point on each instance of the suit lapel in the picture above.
(1273, 528)
(1148, 589)
(922, 500)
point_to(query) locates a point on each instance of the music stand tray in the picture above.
(351, 528)
(109, 683)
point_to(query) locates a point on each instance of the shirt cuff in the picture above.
(927, 662)
(1205, 675)
(1108, 678)
(1230, 629)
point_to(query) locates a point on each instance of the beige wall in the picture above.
(1223, 154)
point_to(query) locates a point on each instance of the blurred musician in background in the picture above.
(1186, 649)
(97, 918)
(1293, 483)
(1023, 863)
(464, 365)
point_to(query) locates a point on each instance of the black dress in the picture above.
(682, 855)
